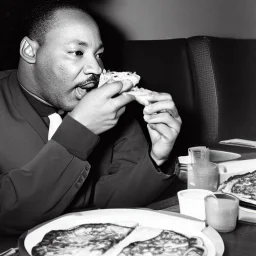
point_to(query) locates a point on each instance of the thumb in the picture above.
(154, 135)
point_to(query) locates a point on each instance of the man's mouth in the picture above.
(83, 88)
(88, 85)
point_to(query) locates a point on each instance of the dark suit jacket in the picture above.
(41, 179)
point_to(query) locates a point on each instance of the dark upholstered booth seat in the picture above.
(164, 66)
(212, 80)
(225, 78)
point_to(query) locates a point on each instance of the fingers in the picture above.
(165, 119)
(158, 96)
(115, 88)
(162, 106)
(120, 112)
(163, 111)
(122, 100)
(163, 131)
(109, 90)
(127, 85)
(153, 133)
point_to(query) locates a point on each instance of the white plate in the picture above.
(232, 168)
(247, 215)
(222, 156)
(146, 218)
(208, 231)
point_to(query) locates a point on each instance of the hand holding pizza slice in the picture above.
(160, 113)
(129, 81)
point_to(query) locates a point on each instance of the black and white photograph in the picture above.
(127, 128)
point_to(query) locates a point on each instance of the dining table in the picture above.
(241, 241)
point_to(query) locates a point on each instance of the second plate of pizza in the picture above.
(119, 232)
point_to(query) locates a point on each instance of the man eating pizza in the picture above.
(98, 155)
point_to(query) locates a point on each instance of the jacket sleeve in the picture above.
(133, 180)
(44, 187)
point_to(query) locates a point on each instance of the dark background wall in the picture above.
(164, 19)
(13, 11)
(142, 20)
(10, 17)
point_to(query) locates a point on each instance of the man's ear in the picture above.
(28, 50)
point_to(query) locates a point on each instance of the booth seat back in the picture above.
(225, 80)
(164, 66)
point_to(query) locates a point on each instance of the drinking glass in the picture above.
(204, 175)
(221, 211)
(199, 154)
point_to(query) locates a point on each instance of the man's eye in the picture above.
(79, 53)
(76, 53)
(100, 55)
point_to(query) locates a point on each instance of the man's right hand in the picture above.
(100, 109)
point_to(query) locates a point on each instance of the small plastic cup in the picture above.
(191, 202)
(221, 212)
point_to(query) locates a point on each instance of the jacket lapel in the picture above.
(25, 108)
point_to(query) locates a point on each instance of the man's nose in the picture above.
(93, 67)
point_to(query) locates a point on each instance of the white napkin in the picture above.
(240, 143)
(55, 121)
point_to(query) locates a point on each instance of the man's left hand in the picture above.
(163, 123)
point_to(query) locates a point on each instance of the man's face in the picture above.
(68, 59)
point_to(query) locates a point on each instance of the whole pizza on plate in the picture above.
(111, 239)
(119, 232)
(242, 186)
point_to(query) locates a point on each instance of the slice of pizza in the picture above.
(242, 186)
(141, 95)
(87, 239)
(114, 76)
(158, 242)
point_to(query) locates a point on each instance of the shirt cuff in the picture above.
(167, 167)
(69, 135)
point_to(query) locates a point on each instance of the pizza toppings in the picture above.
(113, 76)
(166, 243)
(242, 186)
(86, 239)
(143, 96)
(115, 240)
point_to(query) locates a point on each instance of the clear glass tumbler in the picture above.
(200, 154)
(203, 176)
(221, 212)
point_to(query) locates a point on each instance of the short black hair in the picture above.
(40, 18)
